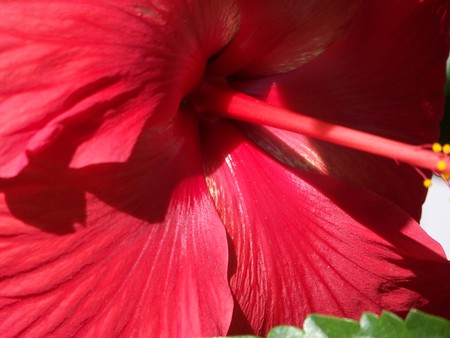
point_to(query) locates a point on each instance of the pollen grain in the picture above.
(441, 165)
(446, 149)
(437, 147)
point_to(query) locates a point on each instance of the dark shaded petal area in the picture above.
(306, 243)
(144, 252)
(385, 76)
(277, 36)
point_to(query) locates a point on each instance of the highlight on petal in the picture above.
(276, 36)
(92, 73)
(147, 255)
(305, 243)
(384, 76)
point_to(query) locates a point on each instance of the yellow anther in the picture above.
(445, 176)
(446, 148)
(441, 165)
(437, 148)
(427, 183)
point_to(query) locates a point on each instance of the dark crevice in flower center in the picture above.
(184, 104)
(189, 102)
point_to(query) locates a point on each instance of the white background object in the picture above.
(436, 213)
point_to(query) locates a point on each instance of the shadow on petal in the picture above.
(51, 197)
(53, 207)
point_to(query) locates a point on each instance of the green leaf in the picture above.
(329, 327)
(424, 325)
(388, 325)
(286, 332)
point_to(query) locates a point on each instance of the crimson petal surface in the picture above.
(385, 76)
(303, 243)
(132, 249)
(92, 73)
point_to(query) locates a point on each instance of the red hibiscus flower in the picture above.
(128, 210)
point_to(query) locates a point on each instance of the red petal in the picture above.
(385, 76)
(278, 35)
(92, 73)
(399, 183)
(307, 243)
(147, 256)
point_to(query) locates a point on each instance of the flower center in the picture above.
(217, 100)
